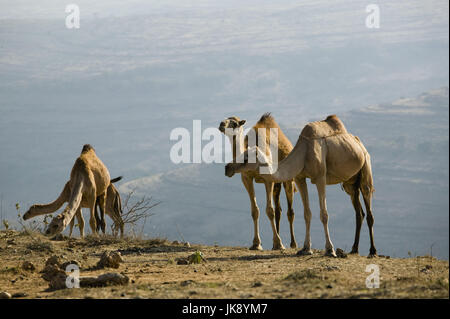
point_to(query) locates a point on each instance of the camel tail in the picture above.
(74, 201)
(114, 180)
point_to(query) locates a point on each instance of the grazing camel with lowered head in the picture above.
(89, 179)
(233, 128)
(113, 208)
(327, 154)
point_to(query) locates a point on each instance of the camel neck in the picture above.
(237, 143)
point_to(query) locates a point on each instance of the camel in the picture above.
(89, 179)
(233, 128)
(113, 208)
(327, 154)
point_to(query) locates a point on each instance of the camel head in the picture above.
(252, 160)
(56, 226)
(232, 126)
(30, 213)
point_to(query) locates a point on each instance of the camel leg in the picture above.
(289, 190)
(353, 191)
(303, 189)
(102, 207)
(248, 183)
(80, 219)
(276, 200)
(367, 196)
(277, 244)
(91, 199)
(321, 185)
(72, 223)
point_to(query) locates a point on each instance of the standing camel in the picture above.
(233, 127)
(327, 154)
(89, 180)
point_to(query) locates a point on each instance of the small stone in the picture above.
(122, 294)
(329, 286)
(186, 244)
(182, 261)
(340, 253)
(53, 260)
(186, 283)
(175, 242)
(5, 295)
(28, 266)
(257, 284)
(19, 295)
(110, 259)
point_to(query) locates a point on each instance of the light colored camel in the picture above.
(113, 208)
(89, 179)
(327, 154)
(233, 127)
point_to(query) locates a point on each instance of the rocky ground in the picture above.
(158, 268)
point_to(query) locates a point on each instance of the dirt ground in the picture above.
(227, 272)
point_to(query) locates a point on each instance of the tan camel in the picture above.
(327, 154)
(113, 208)
(89, 179)
(233, 127)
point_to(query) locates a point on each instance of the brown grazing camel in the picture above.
(89, 179)
(113, 208)
(233, 127)
(327, 154)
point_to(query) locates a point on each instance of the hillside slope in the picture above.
(229, 272)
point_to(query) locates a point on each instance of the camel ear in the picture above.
(242, 122)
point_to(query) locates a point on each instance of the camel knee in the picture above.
(291, 215)
(324, 216)
(278, 211)
(255, 213)
(93, 224)
(270, 212)
(307, 215)
(370, 219)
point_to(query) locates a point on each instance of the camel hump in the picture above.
(332, 125)
(87, 148)
(266, 118)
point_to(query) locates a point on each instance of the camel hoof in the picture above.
(330, 253)
(278, 247)
(294, 245)
(304, 252)
(372, 255)
(256, 247)
(354, 252)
